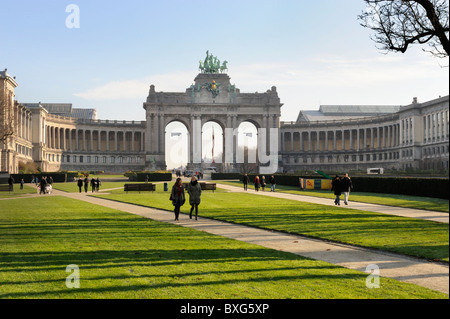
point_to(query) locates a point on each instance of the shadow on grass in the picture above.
(148, 262)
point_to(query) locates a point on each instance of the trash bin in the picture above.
(166, 187)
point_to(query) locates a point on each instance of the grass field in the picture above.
(125, 256)
(402, 235)
(417, 202)
(18, 192)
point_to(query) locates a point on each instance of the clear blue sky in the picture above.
(315, 52)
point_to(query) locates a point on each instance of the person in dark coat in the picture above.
(263, 183)
(195, 191)
(86, 184)
(245, 180)
(97, 184)
(336, 186)
(11, 184)
(273, 183)
(347, 186)
(257, 183)
(80, 184)
(93, 185)
(43, 185)
(21, 183)
(177, 196)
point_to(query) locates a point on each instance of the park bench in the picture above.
(208, 187)
(147, 187)
(204, 186)
(4, 187)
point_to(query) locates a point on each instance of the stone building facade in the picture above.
(338, 138)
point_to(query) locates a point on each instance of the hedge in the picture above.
(57, 177)
(426, 187)
(152, 176)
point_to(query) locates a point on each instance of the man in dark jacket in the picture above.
(43, 185)
(336, 186)
(273, 183)
(245, 180)
(11, 184)
(80, 184)
(86, 184)
(347, 186)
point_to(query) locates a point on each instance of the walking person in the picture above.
(11, 184)
(43, 185)
(93, 185)
(257, 183)
(336, 187)
(21, 183)
(273, 183)
(347, 186)
(195, 191)
(80, 184)
(245, 180)
(177, 197)
(97, 184)
(86, 184)
(263, 183)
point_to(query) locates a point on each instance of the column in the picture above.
(351, 139)
(334, 141)
(318, 141)
(124, 141)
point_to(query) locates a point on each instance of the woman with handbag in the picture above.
(195, 191)
(177, 197)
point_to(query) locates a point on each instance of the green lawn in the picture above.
(126, 256)
(19, 192)
(417, 202)
(407, 236)
(72, 187)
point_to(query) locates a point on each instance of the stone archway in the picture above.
(212, 97)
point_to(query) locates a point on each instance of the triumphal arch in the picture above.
(213, 98)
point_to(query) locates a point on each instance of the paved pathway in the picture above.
(427, 274)
(390, 210)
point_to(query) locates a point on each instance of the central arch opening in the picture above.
(177, 145)
(212, 145)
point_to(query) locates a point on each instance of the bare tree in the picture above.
(6, 122)
(400, 23)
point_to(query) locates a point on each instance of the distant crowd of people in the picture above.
(198, 175)
(259, 183)
(94, 183)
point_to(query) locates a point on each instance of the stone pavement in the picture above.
(416, 271)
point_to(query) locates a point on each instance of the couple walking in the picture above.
(339, 186)
(178, 197)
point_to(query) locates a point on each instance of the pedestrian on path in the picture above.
(86, 184)
(21, 183)
(245, 180)
(347, 186)
(263, 183)
(93, 185)
(336, 187)
(195, 191)
(177, 197)
(80, 184)
(257, 183)
(11, 184)
(97, 184)
(273, 183)
(43, 185)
